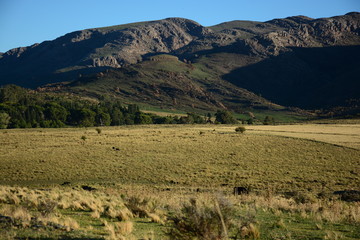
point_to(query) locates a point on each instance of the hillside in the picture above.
(166, 82)
(294, 62)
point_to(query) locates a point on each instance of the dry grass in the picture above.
(17, 213)
(156, 207)
(347, 135)
(119, 230)
(176, 157)
(158, 168)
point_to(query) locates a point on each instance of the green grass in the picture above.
(279, 116)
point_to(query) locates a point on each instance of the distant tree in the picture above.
(163, 120)
(142, 118)
(102, 118)
(86, 117)
(117, 117)
(186, 119)
(196, 118)
(55, 112)
(12, 93)
(129, 119)
(35, 115)
(224, 117)
(269, 120)
(209, 116)
(4, 120)
(250, 121)
(133, 108)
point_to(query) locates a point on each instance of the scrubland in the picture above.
(144, 181)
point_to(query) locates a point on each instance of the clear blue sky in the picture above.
(25, 22)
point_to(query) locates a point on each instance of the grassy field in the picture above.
(347, 135)
(291, 172)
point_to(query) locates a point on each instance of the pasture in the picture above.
(171, 163)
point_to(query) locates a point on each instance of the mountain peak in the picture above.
(181, 21)
(353, 13)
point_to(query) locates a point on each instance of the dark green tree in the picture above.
(102, 118)
(117, 117)
(55, 112)
(142, 118)
(269, 120)
(133, 108)
(4, 120)
(86, 117)
(12, 93)
(225, 117)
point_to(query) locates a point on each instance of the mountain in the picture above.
(295, 62)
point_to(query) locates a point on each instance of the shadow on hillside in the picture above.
(304, 77)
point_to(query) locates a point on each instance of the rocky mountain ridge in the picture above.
(222, 49)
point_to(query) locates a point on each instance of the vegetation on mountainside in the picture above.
(20, 108)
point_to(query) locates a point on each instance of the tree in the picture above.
(209, 116)
(117, 117)
(196, 118)
(269, 120)
(142, 118)
(86, 117)
(4, 120)
(12, 93)
(102, 119)
(225, 117)
(133, 108)
(55, 112)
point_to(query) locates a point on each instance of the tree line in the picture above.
(21, 108)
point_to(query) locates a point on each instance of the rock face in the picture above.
(95, 50)
(103, 47)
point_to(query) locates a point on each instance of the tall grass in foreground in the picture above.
(107, 214)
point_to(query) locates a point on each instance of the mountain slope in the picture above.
(305, 77)
(166, 82)
(296, 61)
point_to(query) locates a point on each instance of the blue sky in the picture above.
(25, 22)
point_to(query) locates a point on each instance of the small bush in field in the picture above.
(203, 222)
(98, 130)
(240, 129)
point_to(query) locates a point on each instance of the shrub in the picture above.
(98, 130)
(240, 129)
(138, 206)
(199, 221)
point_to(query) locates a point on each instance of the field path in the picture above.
(347, 135)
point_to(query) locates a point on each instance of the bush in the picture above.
(199, 221)
(240, 129)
